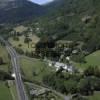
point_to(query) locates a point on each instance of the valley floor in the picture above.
(3, 53)
(96, 96)
(91, 60)
(8, 90)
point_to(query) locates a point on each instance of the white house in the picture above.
(70, 68)
(67, 67)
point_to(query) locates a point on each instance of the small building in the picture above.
(63, 43)
(75, 52)
(68, 67)
(38, 92)
(86, 19)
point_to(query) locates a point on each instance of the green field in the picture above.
(24, 46)
(13, 90)
(96, 96)
(8, 90)
(4, 55)
(20, 28)
(5, 92)
(35, 69)
(91, 60)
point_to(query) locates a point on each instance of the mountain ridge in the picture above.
(16, 11)
(74, 20)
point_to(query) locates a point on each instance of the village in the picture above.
(40, 57)
(65, 49)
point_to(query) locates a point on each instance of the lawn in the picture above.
(24, 46)
(4, 92)
(13, 90)
(96, 96)
(4, 54)
(91, 60)
(20, 28)
(35, 69)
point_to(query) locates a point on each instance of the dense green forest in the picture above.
(76, 20)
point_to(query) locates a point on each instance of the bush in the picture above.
(29, 54)
(79, 58)
(85, 87)
(1, 61)
(20, 45)
(20, 51)
(27, 40)
(16, 38)
(71, 86)
(5, 76)
(92, 71)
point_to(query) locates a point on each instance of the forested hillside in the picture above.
(77, 20)
(17, 11)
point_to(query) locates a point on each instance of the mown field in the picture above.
(96, 96)
(91, 60)
(4, 54)
(8, 90)
(5, 93)
(13, 90)
(24, 46)
(20, 28)
(34, 69)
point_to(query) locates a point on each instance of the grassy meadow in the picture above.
(25, 46)
(91, 60)
(5, 93)
(96, 96)
(4, 54)
(35, 69)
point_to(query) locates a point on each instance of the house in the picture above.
(57, 64)
(75, 52)
(64, 43)
(68, 67)
(86, 18)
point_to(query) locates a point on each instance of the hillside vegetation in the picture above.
(6, 62)
(17, 11)
(91, 60)
(75, 20)
(4, 92)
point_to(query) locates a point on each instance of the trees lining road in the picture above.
(16, 70)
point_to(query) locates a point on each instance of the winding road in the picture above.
(16, 70)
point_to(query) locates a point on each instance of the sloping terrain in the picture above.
(14, 11)
(75, 20)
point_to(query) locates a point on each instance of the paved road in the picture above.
(16, 69)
